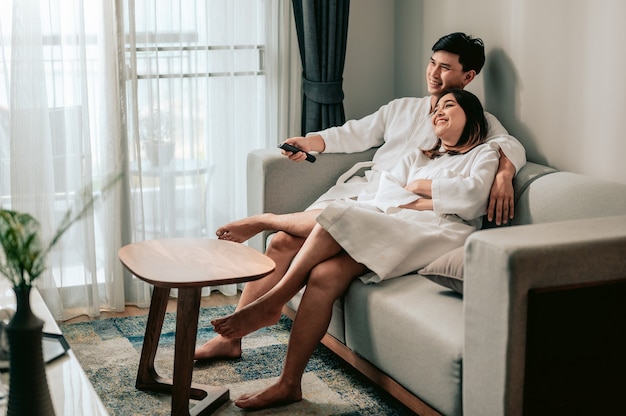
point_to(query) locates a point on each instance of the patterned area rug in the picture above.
(109, 351)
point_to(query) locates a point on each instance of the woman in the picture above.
(422, 209)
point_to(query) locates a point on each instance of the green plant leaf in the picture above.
(23, 253)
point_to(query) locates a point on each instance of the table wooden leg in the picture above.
(180, 386)
(212, 398)
(147, 377)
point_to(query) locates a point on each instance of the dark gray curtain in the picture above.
(322, 27)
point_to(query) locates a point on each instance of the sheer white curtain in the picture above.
(89, 88)
(284, 73)
(60, 105)
(205, 88)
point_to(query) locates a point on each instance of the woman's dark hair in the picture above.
(476, 126)
(471, 50)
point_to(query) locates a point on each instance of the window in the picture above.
(194, 77)
(196, 107)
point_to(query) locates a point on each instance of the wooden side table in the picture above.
(188, 264)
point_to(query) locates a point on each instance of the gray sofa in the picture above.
(540, 327)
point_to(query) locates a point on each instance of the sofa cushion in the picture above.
(563, 196)
(447, 270)
(527, 175)
(412, 329)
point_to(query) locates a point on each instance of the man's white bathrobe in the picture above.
(393, 241)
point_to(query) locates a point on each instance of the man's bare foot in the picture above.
(275, 395)
(246, 320)
(242, 230)
(219, 348)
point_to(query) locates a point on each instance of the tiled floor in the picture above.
(216, 299)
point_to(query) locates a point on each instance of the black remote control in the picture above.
(294, 149)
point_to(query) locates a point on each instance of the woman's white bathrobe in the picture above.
(399, 127)
(392, 241)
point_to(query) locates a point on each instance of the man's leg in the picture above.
(318, 247)
(326, 283)
(282, 248)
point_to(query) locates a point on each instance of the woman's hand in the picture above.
(421, 187)
(313, 143)
(420, 204)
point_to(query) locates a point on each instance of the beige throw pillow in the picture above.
(447, 270)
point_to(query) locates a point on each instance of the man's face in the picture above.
(444, 71)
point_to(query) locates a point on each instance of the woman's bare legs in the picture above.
(326, 283)
(318, 247)
(298, 224)
(282, 249)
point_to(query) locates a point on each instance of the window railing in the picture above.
(153, 49)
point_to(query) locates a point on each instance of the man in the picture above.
(397, 127)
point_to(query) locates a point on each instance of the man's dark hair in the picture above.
(471, 50)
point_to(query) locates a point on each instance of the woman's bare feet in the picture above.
(276, 395)
(246, 320)
(219, 348)
(244, 229)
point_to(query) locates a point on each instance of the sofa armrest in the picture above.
(278, 185)
(502, 266)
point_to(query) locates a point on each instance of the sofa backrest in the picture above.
(545, 195)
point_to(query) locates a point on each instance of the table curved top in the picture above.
(194, 262)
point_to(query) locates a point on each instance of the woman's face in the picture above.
(449, 120)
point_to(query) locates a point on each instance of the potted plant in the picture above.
(22, 261)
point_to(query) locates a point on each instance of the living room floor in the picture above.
(216, 299)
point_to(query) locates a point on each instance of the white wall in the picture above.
(368, 76)
(555, 73)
